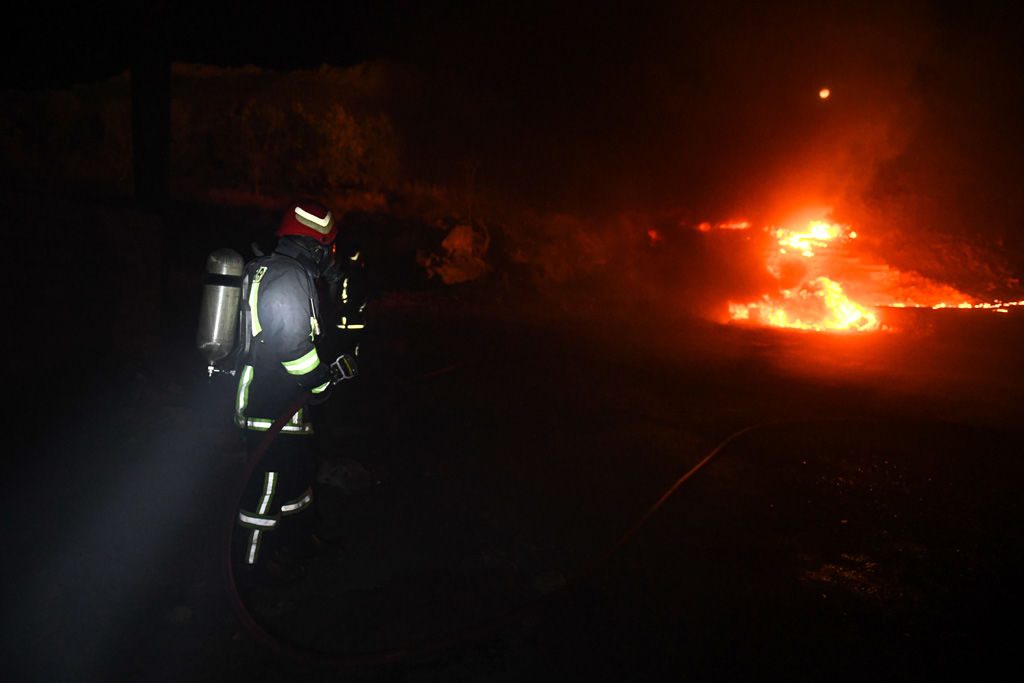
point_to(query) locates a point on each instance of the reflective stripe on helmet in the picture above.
(321, 225)
(311, 219)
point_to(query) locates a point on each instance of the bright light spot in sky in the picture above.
(824, 93)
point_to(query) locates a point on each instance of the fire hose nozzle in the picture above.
(344, 367)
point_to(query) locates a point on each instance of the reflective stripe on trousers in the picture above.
(260, 521)
(297, 424)
(299, 504)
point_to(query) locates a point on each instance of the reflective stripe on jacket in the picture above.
(282, 324)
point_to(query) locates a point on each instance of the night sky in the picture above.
(593, 106)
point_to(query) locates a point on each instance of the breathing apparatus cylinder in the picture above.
(218, 310)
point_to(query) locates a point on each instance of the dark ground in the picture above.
(867, 527)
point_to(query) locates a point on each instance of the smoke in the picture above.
(603, 124)
(586, 107)
(571, 130)
(711, 112)
(950, 203)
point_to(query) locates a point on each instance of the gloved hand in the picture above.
(344, 367)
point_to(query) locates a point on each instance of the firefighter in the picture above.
(349, 291)
(279, 363)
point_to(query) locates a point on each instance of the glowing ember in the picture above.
(731, 225)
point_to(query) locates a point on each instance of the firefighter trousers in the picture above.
(275, 516)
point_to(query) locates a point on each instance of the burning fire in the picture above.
(814, 269)
(816, 302)
(819, 304)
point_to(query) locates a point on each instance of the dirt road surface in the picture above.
(863, 520)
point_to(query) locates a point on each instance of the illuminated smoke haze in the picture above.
(713, 113)
(598, 122)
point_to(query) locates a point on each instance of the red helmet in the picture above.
(310, 219)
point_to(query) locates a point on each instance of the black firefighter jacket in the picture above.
(279, 359)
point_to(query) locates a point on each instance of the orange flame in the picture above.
(819, 305)
(816, 302)
(810, 298)
(817, 236)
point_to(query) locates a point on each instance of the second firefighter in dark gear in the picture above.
(348, 291)
(279, 363)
